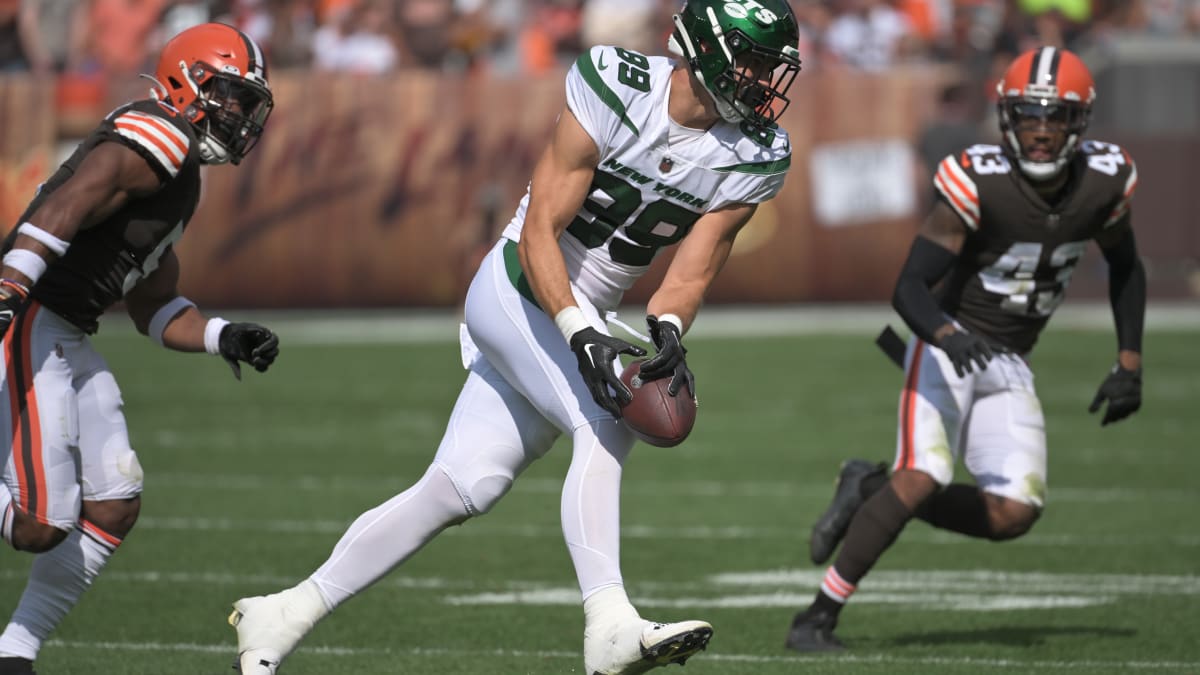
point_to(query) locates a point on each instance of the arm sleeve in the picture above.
(913, 300)
(1127, 291)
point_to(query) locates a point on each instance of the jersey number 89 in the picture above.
(612, 202)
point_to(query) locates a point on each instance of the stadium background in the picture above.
(404, 133)
(387, 170)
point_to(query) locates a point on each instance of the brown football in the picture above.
(653, 415)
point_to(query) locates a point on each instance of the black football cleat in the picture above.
(812, 631)
(848, 495)
(15, 665)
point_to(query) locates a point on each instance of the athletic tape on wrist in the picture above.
(672, 319)
(44, 238)
(164, 315)
(570, 321)
(26, 262)
(212, 335)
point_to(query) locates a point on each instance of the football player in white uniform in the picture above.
(648, 152)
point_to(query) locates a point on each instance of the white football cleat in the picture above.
(270, 626)
(638, 646)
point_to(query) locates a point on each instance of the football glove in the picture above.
(669, 361)
(596, 353)
(248, 342)
(12, 299)
(1123, 391)
(965, 349)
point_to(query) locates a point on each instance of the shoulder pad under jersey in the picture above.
(759, 168)
(156, 132)
(1118, 171)
(957, 176)
(603, 86)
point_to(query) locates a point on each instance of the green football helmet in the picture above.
(730, 44)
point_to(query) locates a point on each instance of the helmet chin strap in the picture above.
(212, 151)
(1042, 171)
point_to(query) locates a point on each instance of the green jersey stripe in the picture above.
(760, 168)
(607, 96)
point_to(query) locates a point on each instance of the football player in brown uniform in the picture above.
(101, 230)
(1002, 241)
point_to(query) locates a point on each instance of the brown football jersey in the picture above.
(107, 259)
(1020, 250)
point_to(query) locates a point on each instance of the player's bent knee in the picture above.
(35, 537)
(480, 484)
(1009, 518)
(114, 516)
(913, 486)
(487, 491)
(473, 494)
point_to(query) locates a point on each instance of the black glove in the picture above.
(596, 353)
(12, 299)
(1123, 391)
(670, 357)
(248, 342)
(963, 348)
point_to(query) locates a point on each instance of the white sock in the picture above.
(612, 631)
(389, 534)
(6, 513)
(57, 580)
(591, 505)
(608, 605)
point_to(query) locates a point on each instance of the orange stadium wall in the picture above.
(27, 138)
(385, 192)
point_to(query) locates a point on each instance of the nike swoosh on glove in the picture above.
(597, 353)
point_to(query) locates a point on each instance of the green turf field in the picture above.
(250, 484)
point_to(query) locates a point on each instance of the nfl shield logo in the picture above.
(665, 165)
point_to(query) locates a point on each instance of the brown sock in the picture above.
(959, 508)
(872, 531)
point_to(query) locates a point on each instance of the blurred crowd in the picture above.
(526, 37)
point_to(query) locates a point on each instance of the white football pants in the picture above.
(992, 419)
(67, 439)
(523, 390)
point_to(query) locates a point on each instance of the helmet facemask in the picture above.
(747, 79)
(1050, 116)
(228, 113)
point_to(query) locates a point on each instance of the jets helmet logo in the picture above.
(743, 8)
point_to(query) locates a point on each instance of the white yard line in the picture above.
(402, 326)
(636, 531)
(882, 585)
(804, 487)
(961, 602)
(865, 659)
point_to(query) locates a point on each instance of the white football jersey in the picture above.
(655, 178)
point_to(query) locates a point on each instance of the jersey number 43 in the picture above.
(1014, 276)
